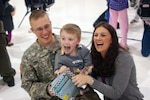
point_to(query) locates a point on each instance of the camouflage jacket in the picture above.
(38, 69)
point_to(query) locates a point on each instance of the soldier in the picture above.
(38, 60)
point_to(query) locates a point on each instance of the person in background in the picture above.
(6, 70)
(73, 55)
(7, 19)
(35, 4)
(145, 48)
(114, 71)
(145, 51)
(38, 60)
(136, 17)
(118, 12)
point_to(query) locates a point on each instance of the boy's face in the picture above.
(69, 43)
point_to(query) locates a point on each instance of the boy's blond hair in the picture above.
(72, 29)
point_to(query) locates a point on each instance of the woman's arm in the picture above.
(119, 82)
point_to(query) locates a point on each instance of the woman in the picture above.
(114, 73)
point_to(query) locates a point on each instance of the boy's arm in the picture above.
(58, 67)
(61, 69)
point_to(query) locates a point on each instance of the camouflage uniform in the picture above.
(38, 70)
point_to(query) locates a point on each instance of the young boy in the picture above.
(73, 55)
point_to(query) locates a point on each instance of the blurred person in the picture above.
(118, 12)
(7, 19)
(73, 55)
(114, 71)
(145, 48)
(145, 39)
(38, 60)
(6, 70)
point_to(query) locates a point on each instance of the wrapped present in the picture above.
(63, 87)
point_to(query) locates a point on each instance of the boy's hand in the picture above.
(63, 68)
(49, 92)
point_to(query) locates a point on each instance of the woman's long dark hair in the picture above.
(104, 67)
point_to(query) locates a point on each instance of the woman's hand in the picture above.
(82, 79)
